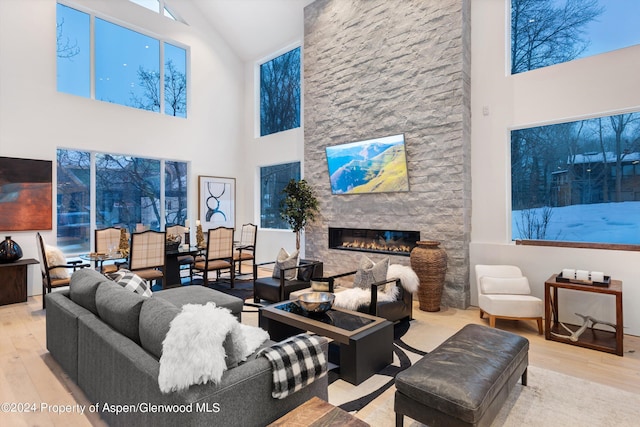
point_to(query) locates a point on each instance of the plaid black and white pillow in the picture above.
(132, 282)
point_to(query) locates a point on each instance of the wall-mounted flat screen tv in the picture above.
(372, 166)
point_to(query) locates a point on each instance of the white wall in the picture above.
(600, 85)
(281, 147)
(35, 119)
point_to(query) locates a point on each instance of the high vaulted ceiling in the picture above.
(256, 28)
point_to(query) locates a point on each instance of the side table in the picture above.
(597, 339)
(13, 281)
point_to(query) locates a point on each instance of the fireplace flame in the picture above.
(375, 246)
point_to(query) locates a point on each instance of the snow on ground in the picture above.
(597, 223)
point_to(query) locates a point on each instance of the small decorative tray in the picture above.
(605, 284)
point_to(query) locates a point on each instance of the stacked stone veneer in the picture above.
(377, 68)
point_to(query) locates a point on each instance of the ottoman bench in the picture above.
(465, 380)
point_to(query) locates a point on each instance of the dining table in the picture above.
(98, 258)
(172, 265)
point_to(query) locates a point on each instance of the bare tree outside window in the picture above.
(280, 93)
(544, 34)
(175, 91)
(65, 47)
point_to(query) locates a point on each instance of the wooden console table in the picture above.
(597, 339)
(13, 281)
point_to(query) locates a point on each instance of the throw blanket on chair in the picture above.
(353, 298)
(296, 362)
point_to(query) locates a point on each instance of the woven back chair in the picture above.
(107, 240)
(245, 250)
(218, 255)
(147, 257)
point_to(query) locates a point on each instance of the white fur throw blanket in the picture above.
(353, 298)
(199, 340)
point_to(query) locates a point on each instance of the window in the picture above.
(175, 189)
(547, 32)
(73, 60)
(576, 181)
(127, 192)
(126, 67)
(157, 6)
(127, 70)
(273, 179)
(280, 93)
(175, 81)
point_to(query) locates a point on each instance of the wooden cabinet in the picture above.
(597, 339)
(13, 281)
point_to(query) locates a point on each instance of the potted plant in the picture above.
(299, 206)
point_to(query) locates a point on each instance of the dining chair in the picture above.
(54, 267)
(147, 255)
(218, 255)
(245, 249)
(185, 262)
(106, 240)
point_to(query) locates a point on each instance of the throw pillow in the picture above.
(284, 260)
(241, 341)
(305, 273)
(56, 257)
(132, 282)
(369, 272)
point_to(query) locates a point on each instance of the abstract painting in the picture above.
(25, 194)
(216, 202)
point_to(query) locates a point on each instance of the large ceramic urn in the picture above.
(429, 261)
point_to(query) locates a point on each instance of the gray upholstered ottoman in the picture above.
(196, 294)
(465, 380)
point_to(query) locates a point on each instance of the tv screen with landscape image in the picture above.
(372, 166)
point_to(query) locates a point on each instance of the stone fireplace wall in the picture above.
(376, 68)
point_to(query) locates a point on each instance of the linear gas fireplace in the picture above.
(392, 242)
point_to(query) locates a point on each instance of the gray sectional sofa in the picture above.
(109, 341)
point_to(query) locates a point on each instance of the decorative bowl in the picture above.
(316, 302)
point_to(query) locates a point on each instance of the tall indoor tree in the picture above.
(299, 206)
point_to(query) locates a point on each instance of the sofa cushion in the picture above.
(156, 315)
(120, 309)
(83, 287)
(201, 295)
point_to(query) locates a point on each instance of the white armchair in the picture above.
(503, 292)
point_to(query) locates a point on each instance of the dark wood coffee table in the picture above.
(362, 344)
(315, 412)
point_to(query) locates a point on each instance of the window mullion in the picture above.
(92, 59)
(92, 199)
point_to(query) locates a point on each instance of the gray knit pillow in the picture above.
(369, 272)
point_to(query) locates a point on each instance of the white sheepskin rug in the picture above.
(353, 298)
(408, 277)
(193, 351)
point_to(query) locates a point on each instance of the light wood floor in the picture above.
(28, 373)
